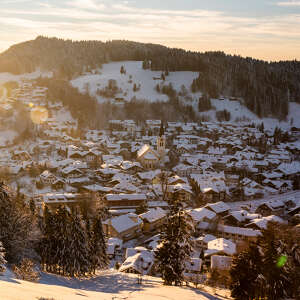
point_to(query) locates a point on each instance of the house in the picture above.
(150, 158)
(47, 178)
(201, 214)
(219, 246)
(125, 227)
(114, 246)
(140, 263)
(123, 201)
(236, 218)
(71, 172)
(270, 208)
(220, 262)
(261, 223)
(58, 184)
(153, 219)
(220, 208)
(71, 200)
(202, 241)
(238, 234)
(193, 266)
(21, 155)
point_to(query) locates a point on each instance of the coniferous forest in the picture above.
(266, 87)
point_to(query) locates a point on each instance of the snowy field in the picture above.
(107, 285)
(5, 77)
(139, 76)
(6, 137)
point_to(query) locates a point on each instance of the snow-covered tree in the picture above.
(270, 268)
(2, 258)
(245, 274)
(174, 249)
(17, 226)
(78, 255)
(98, 255)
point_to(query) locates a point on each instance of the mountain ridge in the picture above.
(265, 87)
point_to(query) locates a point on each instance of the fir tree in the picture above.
(245, 273)
(17, 227)
(98, 254)
(78, 257)
(277, 283)
(2, 258)
(175, 244)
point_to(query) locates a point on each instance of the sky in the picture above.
(264, 29)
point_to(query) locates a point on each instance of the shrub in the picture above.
(25, 271)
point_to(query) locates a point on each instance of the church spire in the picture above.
(161, 130)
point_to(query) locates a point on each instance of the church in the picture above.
(150, 158)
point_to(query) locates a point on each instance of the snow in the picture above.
(139, 76)
(6, 77)
(6, 137)
(238, 110)
(153, 214)
(148, 92)
(106, 285)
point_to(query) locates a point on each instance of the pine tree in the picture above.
(98, 254)
(245, 274)
(61, 234)
(2, 258)
(175, 245)
(277, 283)
(17, 227)
(78, 256)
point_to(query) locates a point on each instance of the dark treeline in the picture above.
(70, 244)
(265, 87)
(92, 114)
(269, 268)
(61, 242)
(82, 107)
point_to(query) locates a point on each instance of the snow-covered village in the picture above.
(137, 171)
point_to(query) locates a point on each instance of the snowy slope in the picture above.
(108, 285)
(237, 110)
(5, 77)
(6, 137)
(148, 92)
(139, 76)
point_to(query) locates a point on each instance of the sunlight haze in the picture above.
(264, 29)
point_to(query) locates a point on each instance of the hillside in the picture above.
(107, 285)
(265, 87)
(147, 80)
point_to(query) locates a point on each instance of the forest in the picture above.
(266, 87)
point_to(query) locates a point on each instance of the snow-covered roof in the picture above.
(153, 214)
(198, 214)
(290, 168)
(140, 262)
(118, 197)
(218, 207)
(123, 222)
(220, 245)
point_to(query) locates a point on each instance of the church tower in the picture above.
(161, 142)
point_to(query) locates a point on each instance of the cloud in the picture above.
(190, 29)
(86, 4)
(289, 3)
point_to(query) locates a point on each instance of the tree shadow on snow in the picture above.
(205, 294)
(9, 277)
(106, 282)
